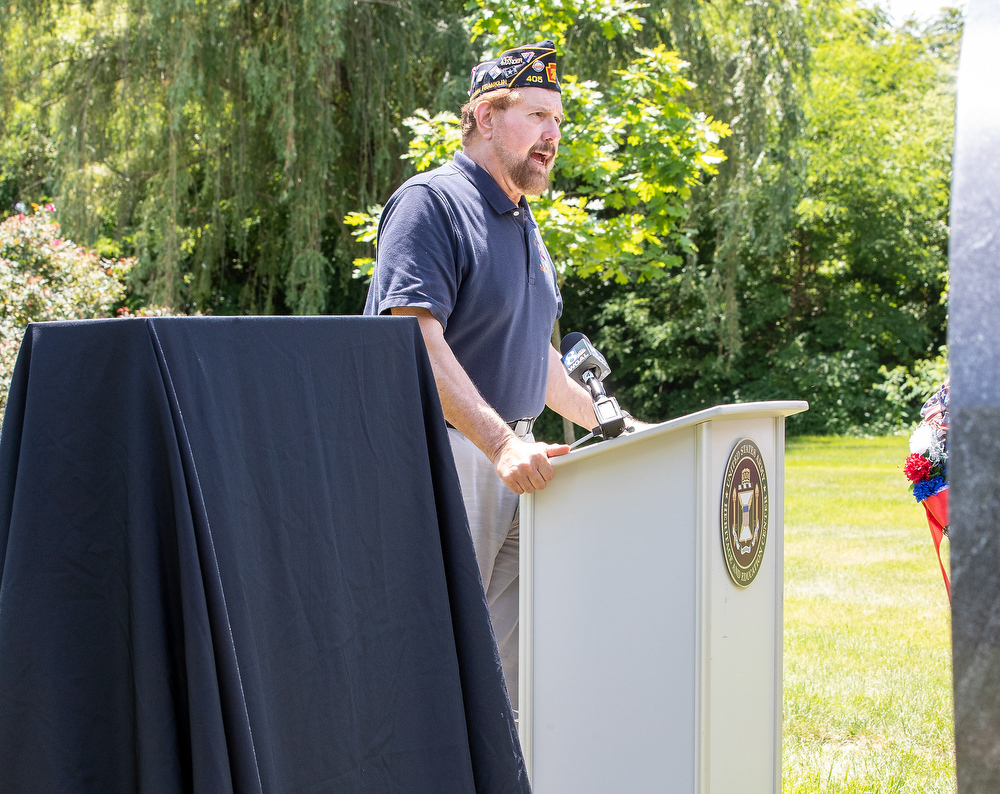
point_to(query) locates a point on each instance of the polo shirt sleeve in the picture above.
(419, 258)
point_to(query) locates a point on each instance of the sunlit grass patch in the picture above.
(867, 649)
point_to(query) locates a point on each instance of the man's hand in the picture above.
(524, 467)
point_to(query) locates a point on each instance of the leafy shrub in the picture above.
(45, 277)
(906, 389)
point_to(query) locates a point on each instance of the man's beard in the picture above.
(524, 173)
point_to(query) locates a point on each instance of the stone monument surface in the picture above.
(974, 436)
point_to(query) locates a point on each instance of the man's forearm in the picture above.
(464, 407)
(523, 467)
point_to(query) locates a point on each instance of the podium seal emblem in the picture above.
(744, 516)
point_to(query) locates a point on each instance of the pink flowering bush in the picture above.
(46, 277)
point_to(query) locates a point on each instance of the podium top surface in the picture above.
(752, 410)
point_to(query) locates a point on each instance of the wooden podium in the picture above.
(644, 666)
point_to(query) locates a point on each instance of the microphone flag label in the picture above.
(576, 356)
(745, 512)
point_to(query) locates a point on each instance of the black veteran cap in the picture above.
(530, 65)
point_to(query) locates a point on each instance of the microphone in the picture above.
(580, 358)
(588, 367)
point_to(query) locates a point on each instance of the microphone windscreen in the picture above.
(569, 341)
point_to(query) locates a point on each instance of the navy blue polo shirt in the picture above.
(451, 241)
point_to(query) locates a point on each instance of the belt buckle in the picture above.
(522, 427)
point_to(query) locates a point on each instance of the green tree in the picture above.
(221, 143)
(750, 64)
(867, 265)
(793, 248)
(854, 283)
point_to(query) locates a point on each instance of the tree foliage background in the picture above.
(751, 200)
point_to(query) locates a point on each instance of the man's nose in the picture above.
(551, 132)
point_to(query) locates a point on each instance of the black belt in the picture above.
(521, 427)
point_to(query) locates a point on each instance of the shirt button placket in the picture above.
(527, 227)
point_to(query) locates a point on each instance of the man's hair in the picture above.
(500, 100)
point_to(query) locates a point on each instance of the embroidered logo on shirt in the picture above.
(542, 256)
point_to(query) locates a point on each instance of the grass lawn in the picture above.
(867, 650)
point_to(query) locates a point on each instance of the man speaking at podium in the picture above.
(459, 249)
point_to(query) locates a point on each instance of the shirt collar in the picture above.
(486, 184)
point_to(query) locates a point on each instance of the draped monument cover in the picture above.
(235, 558)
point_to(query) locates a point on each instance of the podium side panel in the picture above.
(614, 622)
(745, 627)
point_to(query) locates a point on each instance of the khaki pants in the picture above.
(493, 518)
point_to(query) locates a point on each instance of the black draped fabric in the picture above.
(235, 558)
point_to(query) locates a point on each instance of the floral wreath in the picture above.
(926, 468)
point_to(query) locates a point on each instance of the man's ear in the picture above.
(484, 119)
